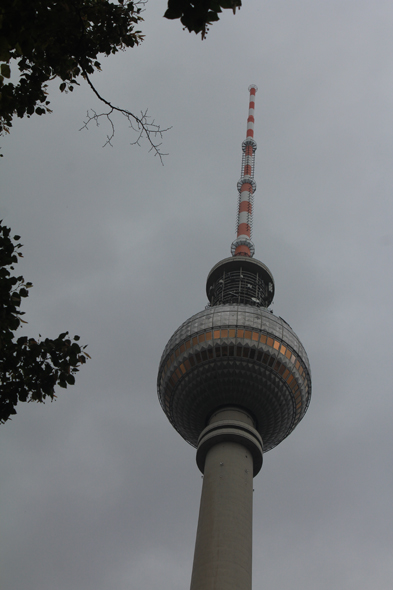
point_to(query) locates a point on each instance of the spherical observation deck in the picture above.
(235, 354)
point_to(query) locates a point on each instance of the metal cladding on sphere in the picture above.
(236, 355)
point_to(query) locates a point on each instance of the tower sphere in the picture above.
(236, 354)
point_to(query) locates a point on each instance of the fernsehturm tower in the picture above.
(234, 380)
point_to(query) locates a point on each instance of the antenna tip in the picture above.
(253, 86)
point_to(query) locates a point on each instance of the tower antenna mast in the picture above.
(246, 186)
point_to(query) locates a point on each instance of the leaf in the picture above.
(5, 70)
(172, 13)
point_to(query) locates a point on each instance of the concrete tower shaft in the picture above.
(229, 454)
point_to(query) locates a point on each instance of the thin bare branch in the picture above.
(141, 125)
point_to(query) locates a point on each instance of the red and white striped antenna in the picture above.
(242, 245)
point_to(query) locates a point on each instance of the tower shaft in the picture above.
(229, 451)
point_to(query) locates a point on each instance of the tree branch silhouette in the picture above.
(141, 125)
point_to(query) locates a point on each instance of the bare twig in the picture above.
(141, 125)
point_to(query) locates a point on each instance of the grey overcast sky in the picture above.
(98, 490)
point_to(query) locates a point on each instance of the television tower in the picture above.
(234, 380)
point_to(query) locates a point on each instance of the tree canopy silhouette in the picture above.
(43, 40)
(197, 15)
(30, 368)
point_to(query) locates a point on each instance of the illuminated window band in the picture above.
(236, 349)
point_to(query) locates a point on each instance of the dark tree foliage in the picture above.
(46, 39)
(197, 15)
(29, 368)
(43, 40)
